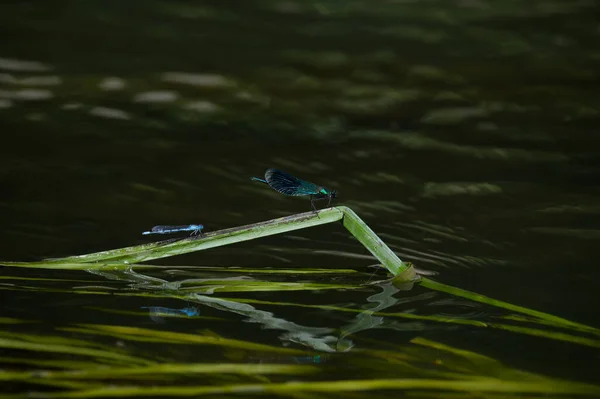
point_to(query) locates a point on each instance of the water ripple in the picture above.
(23, 66)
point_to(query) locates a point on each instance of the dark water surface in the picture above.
(465, 133)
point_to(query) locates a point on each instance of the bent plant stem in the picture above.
(404, 272)
(146, 252)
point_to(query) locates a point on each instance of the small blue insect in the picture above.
(194, 228)
(157, 313)
(287, 184)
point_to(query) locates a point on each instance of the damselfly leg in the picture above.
(312, 203)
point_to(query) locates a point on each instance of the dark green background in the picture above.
(465, 133)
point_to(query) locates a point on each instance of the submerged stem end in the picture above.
(407, 276)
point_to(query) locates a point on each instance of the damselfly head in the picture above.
(333, 194)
